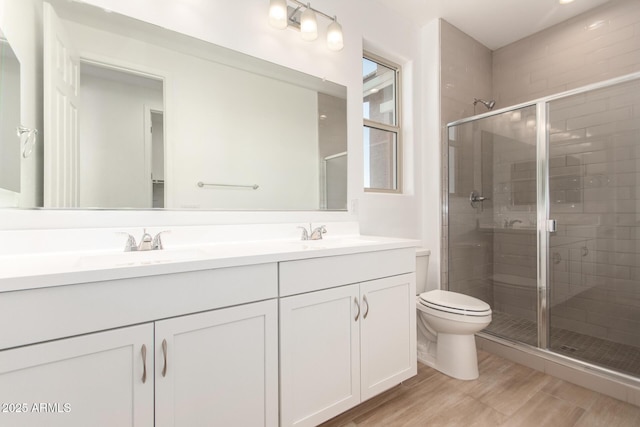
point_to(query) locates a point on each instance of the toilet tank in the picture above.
(422, 269)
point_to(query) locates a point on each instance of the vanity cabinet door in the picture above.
(92, 380)
(387, 333)
(218, 368)
(319, 355)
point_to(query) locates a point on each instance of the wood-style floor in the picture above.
(506, 394)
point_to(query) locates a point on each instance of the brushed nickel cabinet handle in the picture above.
(355, 301)
(364, 300)
(143, 352)
(164, 353)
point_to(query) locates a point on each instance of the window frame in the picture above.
(396, 130)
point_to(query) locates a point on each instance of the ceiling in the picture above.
(494, 23)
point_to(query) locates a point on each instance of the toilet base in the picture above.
(446, 341)
(427, 359)
(456, 356)
(453, 355)
(426, 353)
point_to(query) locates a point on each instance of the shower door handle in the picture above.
(552, 226)
(475, 197)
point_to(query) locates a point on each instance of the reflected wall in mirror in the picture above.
(158, 112)
(9, 117)
(120, 165)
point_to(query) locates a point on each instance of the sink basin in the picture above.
(333, 243)
(124, 259)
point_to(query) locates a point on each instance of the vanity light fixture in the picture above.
(565, 1)
(335, 40)
(278, 14)
(308, 24)
(303, 17)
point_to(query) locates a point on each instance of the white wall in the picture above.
(255, 147)
(430, 156)
(19, 21)
(112, 142)
(392, 37)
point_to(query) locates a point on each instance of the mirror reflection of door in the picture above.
(61, 85)
(334, 190)
(157, 158)
(99, 145)
(332, 150)
(118, 137)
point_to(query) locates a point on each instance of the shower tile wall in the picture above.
(600, 44)
(514, 219)
(503, 226)
(595, 256)
(470, 254)
(594, 46)
(466, 71)
(595, 276)
(465, 74)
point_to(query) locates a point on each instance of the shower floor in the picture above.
(621, 357)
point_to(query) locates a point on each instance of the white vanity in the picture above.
(273, 332)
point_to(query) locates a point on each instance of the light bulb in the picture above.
(278, 14)
(308, 24)
(335, 40)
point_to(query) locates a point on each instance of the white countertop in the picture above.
(45, 269)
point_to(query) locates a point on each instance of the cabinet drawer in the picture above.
(313, 274)
(49, 313)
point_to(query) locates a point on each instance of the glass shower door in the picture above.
(492, 205)
(594, 257)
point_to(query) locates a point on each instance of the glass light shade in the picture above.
(335, 40)
(278, 14)
(308, 25)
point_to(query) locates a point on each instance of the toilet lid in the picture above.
(454, 302)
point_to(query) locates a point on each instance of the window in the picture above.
(381, 113)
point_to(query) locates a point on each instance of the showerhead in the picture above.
(489, 104)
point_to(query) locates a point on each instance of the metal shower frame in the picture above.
(544, 224)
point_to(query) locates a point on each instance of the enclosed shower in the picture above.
(543, 217)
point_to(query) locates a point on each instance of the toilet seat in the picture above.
(454, 303)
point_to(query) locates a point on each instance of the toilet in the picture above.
(447, 322)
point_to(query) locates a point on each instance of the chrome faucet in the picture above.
(312, 234)
(131, 244)
(156, 244)
(305, 233)
(317, 233)
(147, 242)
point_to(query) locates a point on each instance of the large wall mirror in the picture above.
(9, 118)
(136, 116)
